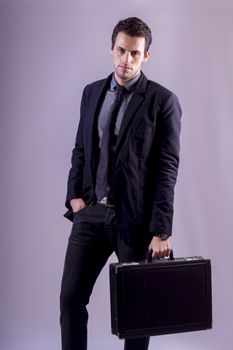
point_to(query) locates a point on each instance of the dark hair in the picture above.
(133, 26)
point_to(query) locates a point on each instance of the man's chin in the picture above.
(124, 76)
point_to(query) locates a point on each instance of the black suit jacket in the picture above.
(145, 163)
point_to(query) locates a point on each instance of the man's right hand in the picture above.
(77, 204)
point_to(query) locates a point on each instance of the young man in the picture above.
(121, 183)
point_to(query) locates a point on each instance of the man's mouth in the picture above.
(125, 67)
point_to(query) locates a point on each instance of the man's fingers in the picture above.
(159, 254)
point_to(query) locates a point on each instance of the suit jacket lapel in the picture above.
(135, 102)
(96, 98)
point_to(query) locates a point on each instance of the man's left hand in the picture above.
(160, 248)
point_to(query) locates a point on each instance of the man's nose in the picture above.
(128, 57)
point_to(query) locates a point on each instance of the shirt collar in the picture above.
(129, 85)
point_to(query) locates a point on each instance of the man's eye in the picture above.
(135, 53)
(120, 50)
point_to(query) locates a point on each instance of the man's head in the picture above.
(133, 26)
(131, 39)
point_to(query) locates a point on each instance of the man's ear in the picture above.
(146, 56)
(111, 48)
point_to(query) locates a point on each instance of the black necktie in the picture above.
(107, 143)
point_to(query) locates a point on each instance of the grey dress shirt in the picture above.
(108, 102)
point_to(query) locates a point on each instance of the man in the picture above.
(121, 183)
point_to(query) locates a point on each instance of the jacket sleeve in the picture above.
(75, 178)
(167, 147)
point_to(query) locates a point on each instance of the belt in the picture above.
(107, 202)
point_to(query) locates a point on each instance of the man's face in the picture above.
(128, 55)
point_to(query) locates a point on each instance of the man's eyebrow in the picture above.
(136, 51)
(122, 48)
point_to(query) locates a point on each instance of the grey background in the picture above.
(49, 51)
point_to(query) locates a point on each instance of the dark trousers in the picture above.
(93, 239)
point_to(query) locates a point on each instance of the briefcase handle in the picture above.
(149, 257)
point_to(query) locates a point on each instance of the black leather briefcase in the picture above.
(160, 297)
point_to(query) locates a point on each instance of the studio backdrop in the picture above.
(50, 49)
